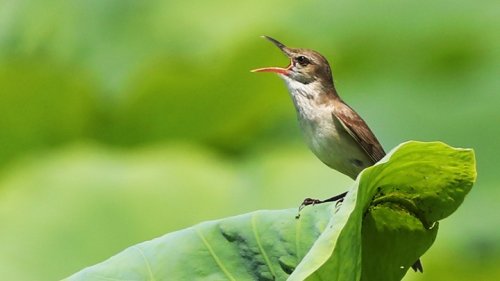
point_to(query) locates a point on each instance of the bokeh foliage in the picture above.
(109, 86)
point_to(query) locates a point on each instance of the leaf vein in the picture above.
(261, 248)
(298, 233)
(214, 256)
(148, 265)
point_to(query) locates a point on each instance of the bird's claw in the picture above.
(307, 202)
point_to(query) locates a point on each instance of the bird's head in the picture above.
(306, 66)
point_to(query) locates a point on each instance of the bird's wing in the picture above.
(359, 130)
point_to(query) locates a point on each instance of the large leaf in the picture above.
(386, 222)
(399, 199)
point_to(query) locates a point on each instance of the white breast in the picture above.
(326, 138)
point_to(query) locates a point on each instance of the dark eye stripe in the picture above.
(302, 60)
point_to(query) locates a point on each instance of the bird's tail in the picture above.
(417, 266)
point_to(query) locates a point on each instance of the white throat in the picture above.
(306, 98)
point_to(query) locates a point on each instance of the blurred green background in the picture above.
(123, 120)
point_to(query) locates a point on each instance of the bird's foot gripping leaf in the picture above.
(311, 201)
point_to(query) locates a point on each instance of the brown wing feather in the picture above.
(359, 130)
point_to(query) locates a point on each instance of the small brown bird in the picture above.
(335, 133)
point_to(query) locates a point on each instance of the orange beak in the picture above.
(278, 70)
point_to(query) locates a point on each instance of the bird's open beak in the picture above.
(279, 70)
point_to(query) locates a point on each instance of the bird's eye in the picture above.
(302, 60)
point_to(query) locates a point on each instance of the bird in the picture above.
(333, 131)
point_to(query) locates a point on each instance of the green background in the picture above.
(123, 120)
